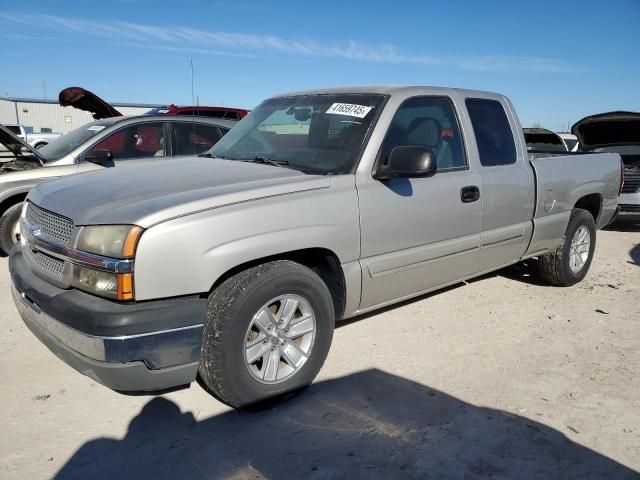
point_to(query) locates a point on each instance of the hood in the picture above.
(26, 157)
(608, 130)
(156, 191)
(15, 144)
(85, 100)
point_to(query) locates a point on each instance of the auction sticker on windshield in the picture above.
(349, 109)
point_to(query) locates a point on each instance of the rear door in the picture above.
(507, 182)
(193, 138)
(420, 233)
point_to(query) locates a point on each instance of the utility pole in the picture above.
(193, 98)
(44, 89)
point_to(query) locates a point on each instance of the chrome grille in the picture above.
(631, 181)
(49, 264)
(51, 224)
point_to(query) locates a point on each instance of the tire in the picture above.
(558, 267)
(231, 329)
(8, 221)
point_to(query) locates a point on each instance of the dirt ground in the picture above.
(500, 377)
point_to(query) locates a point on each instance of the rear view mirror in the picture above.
(302, 114)
(101, 157)
(407, 162)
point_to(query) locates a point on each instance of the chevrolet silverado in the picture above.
(318, 206)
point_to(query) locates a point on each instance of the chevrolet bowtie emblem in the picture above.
(31, 238)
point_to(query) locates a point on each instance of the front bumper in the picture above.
(135, 355)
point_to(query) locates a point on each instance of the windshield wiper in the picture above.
(268, 161)
(211, 155)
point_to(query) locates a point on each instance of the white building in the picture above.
(49, 116)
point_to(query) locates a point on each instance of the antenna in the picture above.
(192, 75)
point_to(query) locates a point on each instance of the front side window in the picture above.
(135, 141)
(192, 138)
(321, 134)
(429, 122)
(492, 131)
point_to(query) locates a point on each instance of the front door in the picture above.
(420, 233)
(140, 141)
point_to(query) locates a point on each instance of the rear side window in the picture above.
(493, 133)
(193, 138)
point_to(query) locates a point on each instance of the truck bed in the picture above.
(562, 180)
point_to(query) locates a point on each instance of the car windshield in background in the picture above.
(65, 144)
(540, 142)
(313, 133)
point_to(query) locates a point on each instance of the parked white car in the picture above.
(570, 140)
(34, 139)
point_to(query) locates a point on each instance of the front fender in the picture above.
(187, 255)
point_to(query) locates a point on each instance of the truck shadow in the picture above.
(624, 225)
(525, 272)
(366, 425)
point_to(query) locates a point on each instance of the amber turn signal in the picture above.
(125, 286)
(131, 241)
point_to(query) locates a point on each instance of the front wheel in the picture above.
(267, 333)
(9, 227)
(569, 263)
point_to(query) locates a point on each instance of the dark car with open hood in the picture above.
(616, 132)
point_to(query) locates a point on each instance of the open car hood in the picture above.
(15, 144)
(82, 99)
(26, 157)
(607, 130)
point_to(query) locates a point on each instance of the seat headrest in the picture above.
(425, 131)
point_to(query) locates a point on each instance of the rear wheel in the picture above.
(267, 333)
(9, 227)
(569, 263)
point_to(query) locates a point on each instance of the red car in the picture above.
(199, 111)
(85, 100)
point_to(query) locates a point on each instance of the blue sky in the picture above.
(556, 60)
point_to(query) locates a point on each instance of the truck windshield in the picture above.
(321, 134)
(65, 144)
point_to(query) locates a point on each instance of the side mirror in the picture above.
(407, 162)
(101, 157)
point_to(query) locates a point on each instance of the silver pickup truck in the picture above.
(318, 206)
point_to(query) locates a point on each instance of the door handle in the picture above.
(469, 194)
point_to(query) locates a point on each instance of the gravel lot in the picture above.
(500, 377)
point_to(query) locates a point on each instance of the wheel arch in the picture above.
(592, 203)
(324, 262)
(12, 199)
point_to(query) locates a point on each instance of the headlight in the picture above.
(118, 286)
(116, 241)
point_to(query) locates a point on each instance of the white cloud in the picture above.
(180, 38)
